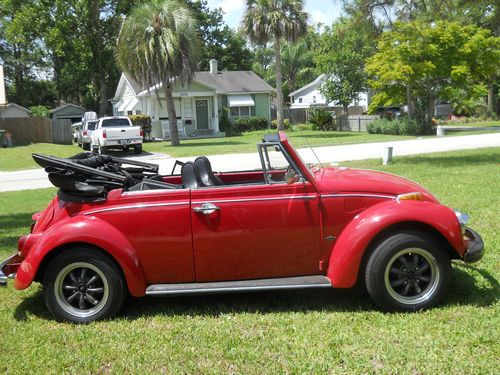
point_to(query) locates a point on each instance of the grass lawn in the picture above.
(17, 158)
(324, 331)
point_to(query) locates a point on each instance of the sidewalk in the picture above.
(37, 178)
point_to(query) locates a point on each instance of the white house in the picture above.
(199, 105)
(310, 96)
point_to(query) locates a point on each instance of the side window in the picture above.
(276, 166)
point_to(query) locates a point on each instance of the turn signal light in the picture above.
(141, 133)
(415, 196)
(104, 133)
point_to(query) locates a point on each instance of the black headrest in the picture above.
(189, 175)
(207, 176)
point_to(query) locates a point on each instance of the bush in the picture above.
(144, 121)
(225, 125)
(304, 127)
(321, 119)
(40, 111)
(286, 124)
(399, 126)
(246, 124)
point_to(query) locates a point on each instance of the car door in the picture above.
(255, 231)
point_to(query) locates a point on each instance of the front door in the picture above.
(202, 114)
(256, 231)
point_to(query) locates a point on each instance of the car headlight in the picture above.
(462, 220)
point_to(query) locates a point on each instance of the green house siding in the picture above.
(262, 105)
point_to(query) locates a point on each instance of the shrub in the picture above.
(286, 124)
(40, 111)
(225, 125)
(304, 127)
(144, 121)
(246, 124)
(399, 126)
(321, 119)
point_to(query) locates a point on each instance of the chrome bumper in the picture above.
(476, 246)
(7, 266)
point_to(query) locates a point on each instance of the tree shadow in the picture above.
(11, 221)
(450, 161)
(464, 291)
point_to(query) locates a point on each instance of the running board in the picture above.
(301, 282)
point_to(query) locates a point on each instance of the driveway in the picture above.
(37, 178)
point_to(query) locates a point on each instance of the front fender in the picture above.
(348, 251)
(82, 229)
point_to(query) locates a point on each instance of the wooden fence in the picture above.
(28, 130)
(61, 132)
(37, 130)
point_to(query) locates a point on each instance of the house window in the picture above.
(244, 111)
(138, 111)
(129, 113)
(300, 100)
(234, 112)
(314, 99)
(240, 111)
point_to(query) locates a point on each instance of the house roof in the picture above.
(134, 85)
(321, 78)
(10, 105)
(233, 81)
(60, 108)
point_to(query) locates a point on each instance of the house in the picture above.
(199, 105)
(309, 96)
(9, 110)
(68, 111)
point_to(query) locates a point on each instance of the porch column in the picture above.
(216, 114)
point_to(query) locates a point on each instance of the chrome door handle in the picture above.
(206, 208)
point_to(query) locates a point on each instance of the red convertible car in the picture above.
(117, 227)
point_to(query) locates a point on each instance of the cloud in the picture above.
(230, 6)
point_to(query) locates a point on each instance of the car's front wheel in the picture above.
(408, 272)
(82, 285)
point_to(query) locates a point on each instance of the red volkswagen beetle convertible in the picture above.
(117, 227)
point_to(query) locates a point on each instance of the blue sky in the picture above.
(324, 11)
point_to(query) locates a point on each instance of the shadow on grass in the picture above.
(464, 291)
(12, 221)
(193, 143)
(326, 136)
(450, 161)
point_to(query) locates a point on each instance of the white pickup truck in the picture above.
(116, 133)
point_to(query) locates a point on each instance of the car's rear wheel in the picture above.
(101, 150)
(407, 272)
(82, 285)
(138, 149)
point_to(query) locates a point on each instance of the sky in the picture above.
(324, 11)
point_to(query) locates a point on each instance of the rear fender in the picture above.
(82, 229)
(354, 240)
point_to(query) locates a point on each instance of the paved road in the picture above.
(37, 178)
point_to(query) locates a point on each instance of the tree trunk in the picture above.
(97, 57)
(429, 111)
(409, 101)
(344, 120)
(172, 117)
(279, 85)
(490, 98)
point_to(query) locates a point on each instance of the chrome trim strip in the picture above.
(300, 282)
(306, 197)
(135, 206)
(358, 195)
(4, 277)
(150, 192)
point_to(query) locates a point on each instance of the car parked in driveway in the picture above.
(116, 226)
(117, 133)
(85, 134)
(76, 128)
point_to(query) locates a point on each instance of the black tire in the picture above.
(126, 148)
(408, 271)
(67, 288)
(138, 149)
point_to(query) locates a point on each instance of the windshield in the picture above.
(116, 122)
(311, 167)
(91, 125)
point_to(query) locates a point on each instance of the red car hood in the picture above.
(347, 180)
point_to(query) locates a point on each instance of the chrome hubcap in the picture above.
(81, 289)
(412, 276)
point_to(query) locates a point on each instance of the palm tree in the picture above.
(159, 44)
(267, 21)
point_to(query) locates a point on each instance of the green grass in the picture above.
(325, 331)
(18, 158)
